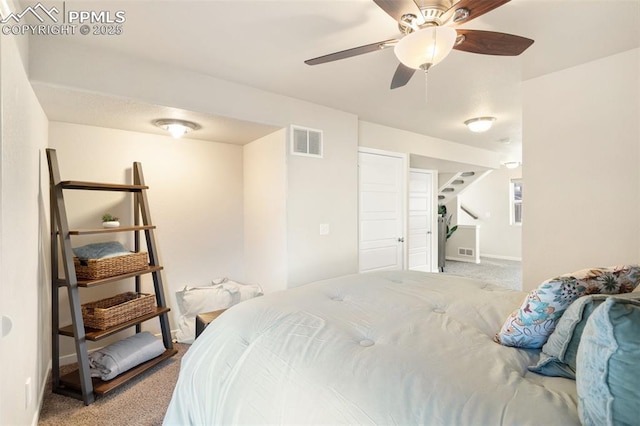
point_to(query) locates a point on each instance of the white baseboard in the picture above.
(43, 386)
(499, 257)
(463, 259)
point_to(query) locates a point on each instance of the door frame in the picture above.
(434, 215)
(404, 193)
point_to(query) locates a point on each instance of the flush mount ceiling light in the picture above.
(177, 128)
(512, 164)
(426, 47)
(480, 124)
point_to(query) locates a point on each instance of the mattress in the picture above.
(396, 347)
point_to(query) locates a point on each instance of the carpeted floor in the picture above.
(505, 273)
(141, 402)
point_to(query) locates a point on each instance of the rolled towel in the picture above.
(124, 354)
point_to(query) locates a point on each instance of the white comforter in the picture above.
(378, 348)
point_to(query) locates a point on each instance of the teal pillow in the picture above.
(608, 365)
(558, 356)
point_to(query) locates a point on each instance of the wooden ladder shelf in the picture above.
(79, 383)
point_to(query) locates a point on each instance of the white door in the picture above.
(421, 218)
(381, 211)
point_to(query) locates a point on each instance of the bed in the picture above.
(396, 347)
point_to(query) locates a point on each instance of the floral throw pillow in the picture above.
(532, 323)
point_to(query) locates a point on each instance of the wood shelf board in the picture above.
(94, 334)
(95, 186)
(92, 283)
(72, 379)
(110, 230)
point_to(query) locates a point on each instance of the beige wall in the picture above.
(581, 175)
(24, 250)
(265, 211)
(195, 197)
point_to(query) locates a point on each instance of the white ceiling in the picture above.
(263, 43)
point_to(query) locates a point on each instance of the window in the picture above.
(516, 201)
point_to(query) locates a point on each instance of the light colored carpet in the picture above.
(505, 273)
(141, 402)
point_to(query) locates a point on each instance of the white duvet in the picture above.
(379, 348)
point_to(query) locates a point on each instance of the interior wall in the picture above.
(265, 211)
(325, 191)
(489, 199)
(195, 196)
(581, 147)
(24, 251)
(377, 136)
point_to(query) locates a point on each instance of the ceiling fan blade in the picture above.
(474, 7)
(492, 43)
(351, 52)
(402, 76)
(397, 8)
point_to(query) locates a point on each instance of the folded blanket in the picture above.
(124, 354)
(100, 250)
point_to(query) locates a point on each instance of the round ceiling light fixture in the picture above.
(480, 124)
(512, 164)
(176, 127)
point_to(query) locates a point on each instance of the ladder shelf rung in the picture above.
(97, 186)
(92, 283)
(94, 334)
(88, 231)
(72, 379)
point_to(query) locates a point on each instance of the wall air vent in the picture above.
(305, 141)
(465, 251)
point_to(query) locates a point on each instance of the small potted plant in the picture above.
(109, 221)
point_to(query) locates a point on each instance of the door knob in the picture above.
(401, 240)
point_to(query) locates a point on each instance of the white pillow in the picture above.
(197, 300)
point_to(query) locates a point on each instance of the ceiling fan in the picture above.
(428, 35)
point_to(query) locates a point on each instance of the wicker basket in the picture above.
(115, 310)
(95, 269)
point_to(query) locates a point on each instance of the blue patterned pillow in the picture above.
(608, 372)
(558, 356)
(531, 325)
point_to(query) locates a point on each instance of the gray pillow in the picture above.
(559, 354)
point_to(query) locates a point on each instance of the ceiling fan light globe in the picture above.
(426, 47)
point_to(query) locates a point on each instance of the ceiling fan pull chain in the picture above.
(426, 86)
